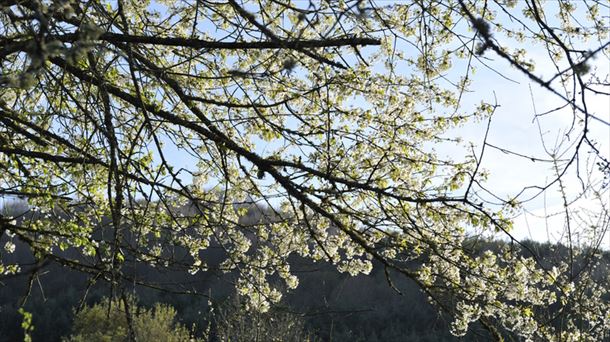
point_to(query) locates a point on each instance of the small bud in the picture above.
(581, 68)
(481, 48)
(289, 64)
(482, 27)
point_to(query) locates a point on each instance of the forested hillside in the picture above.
(332, 306)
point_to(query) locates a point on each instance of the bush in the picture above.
(236, 324)
(107, 322)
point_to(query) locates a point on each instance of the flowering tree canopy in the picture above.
(137, 127)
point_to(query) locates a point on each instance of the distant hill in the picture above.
(333, 306)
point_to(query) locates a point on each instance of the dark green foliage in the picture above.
(107, 322)
(331, 305)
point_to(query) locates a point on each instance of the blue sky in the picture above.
(514, 128)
